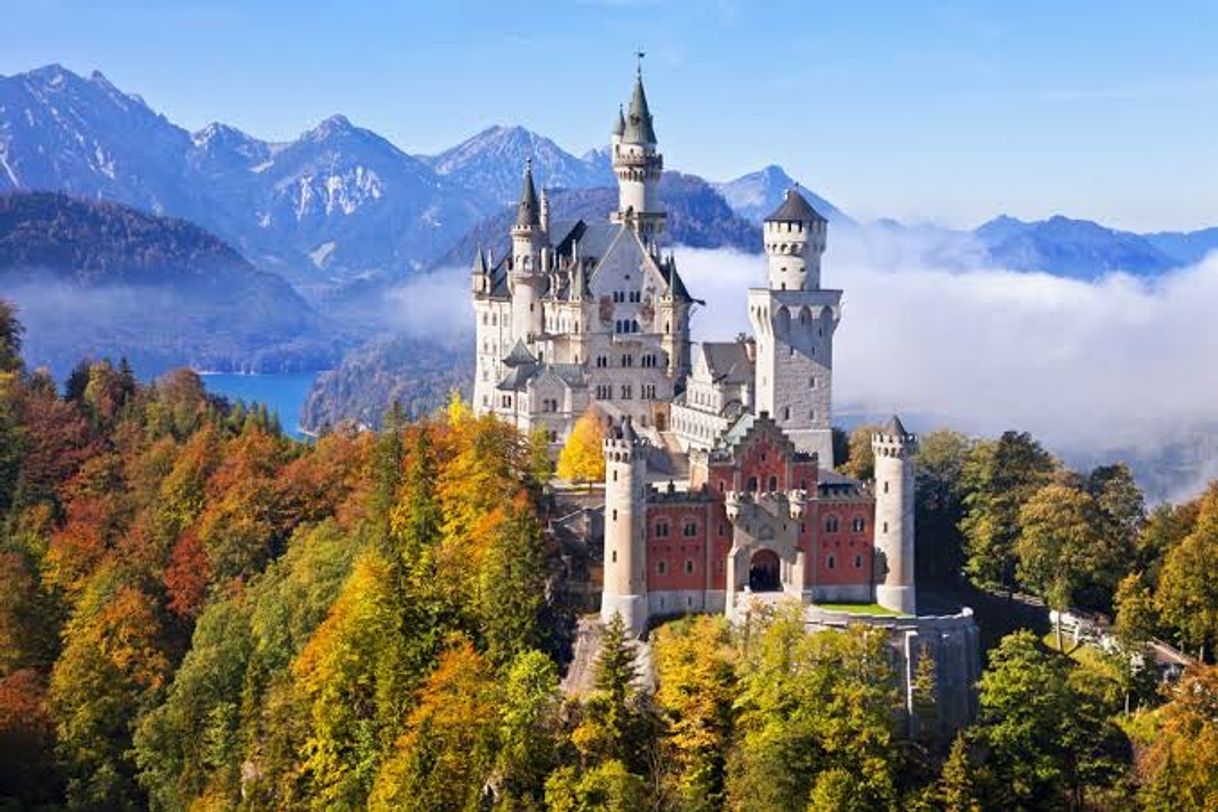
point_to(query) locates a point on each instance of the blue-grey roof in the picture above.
(528, 213)
(794, 209)
(639, 129)
(518, 377)
(520, 355)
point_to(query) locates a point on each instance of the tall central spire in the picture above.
(638, 164)
(527, 213)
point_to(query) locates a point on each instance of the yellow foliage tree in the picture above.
(583, 457)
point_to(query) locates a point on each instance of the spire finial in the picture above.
(638, 71)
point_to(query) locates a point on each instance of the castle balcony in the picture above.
(732, 501)
(797, 501)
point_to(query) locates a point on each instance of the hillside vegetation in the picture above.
(101, 279)
(199, 612)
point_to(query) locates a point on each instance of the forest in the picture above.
(199, 612)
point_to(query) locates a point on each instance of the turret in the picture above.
(625, 578)
(794, 236)
(480, 277)
(893, 528)
(638, 165)
(673, 315)
(527, 278)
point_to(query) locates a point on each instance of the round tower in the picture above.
(893, 529)
(638, 165)
(527, 278)
(794, 236)
(625, 578)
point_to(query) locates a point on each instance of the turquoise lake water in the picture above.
(284, 394)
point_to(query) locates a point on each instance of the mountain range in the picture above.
(342, 205)
(342, 214)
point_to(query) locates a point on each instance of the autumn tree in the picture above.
(611, 722)
(512, 589)
(446, 754)
(347, 674)
(812, 702)
(1059, 545)
(998, 477)
(529, 730)
(1187, 597)
(957, 788)
(1048, 737)
(696, 675)
(1176, 764)
(860, 458)
(110, 672)
(582, 458)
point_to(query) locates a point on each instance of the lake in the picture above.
(284, 394)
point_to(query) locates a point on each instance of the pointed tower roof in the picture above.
(480, 266)
(639, 129)
(619, 126)
(675, 284)
(794, 209)
(520, 355)
(628, 432)
(528, 211)
(895, 427)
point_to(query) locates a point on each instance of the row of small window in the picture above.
(648, 360)
(662, 567)
(620, 296)
(831, 562)
(549, 405)
(604, 391)
(689, 529)
(833, 525)
(626, 326)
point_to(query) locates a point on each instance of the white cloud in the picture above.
(434, 306)
(1120, 365)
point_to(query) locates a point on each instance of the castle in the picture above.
(594, 316)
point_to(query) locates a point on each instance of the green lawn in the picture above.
(857, 608)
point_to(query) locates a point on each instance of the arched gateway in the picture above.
(764, 572)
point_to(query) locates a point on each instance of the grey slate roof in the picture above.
(639, 129)
(520, 355)
(619, 126)
(571, 374)
(894, 426)
(728, 361)
(795, 209)
(518, 377)
(527, 211)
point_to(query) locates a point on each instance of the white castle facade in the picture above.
(594, 316)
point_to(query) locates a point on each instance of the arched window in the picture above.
(752, 483)
(662, 567)
(830, 562)
(858, 525)
(831, 524)
(690, 529)
(689, 566)
(662, 529)
(773, 483)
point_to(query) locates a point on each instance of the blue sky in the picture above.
(941, 111)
